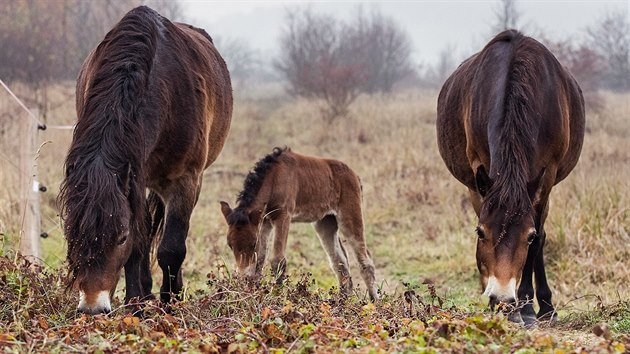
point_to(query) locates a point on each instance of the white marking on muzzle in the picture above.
(502, 292)
(101, 304)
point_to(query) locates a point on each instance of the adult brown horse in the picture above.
(510, 126)
(154, 102)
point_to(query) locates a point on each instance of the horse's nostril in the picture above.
(94, 311)
(493, 302)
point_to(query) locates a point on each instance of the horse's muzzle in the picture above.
(94, 304)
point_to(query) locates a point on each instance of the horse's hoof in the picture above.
(529, 321)
(515, 317)
(549, 318)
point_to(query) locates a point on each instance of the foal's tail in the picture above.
(155, 217)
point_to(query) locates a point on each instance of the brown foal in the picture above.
(286, 187)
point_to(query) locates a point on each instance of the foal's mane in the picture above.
(516, 130)
(251, 186)
(104, 167)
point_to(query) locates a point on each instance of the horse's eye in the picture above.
(531, 237)
(123, 238)
(480, 233)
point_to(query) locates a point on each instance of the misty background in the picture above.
(334, 51)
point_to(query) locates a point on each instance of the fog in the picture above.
(461, 26)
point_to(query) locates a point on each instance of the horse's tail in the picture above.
(155, 222)
(517, 126)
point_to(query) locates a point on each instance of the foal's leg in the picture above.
(261, 246)
(281, 231)
(351, 225)
(180, 202)
(327, 228)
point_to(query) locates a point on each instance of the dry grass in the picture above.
(419, 224)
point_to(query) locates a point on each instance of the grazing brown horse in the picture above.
(154, 104)
(287, 187)
(510, 126)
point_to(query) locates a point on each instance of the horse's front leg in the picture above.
(180, 202)
(278, 260)
(526, 288)
(543, 293)
(546, 310)
(138, 280)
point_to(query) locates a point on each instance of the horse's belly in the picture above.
(311, 214)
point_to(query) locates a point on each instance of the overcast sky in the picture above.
(464, 26)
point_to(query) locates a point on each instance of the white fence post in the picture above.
(30, 227)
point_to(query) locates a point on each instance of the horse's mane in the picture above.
(104, 166)
(516, 130)
(251, 186)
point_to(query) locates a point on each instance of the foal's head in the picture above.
(505, 232)
(242, 237)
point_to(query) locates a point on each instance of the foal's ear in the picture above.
(483, 181)
(254, 216)
(225, 209)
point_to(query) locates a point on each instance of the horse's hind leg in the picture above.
(327, 228)
(351, 225)
(180, 201)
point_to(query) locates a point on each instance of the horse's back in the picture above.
(474, 100)
(213, 85)
(319, 184)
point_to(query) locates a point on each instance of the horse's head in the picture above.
(242, 237)
(97, 209)
(505, 232)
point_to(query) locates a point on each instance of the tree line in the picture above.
(320, 56)
(43, 41)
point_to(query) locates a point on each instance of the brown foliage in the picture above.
(44, 40)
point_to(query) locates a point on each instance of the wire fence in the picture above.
(30, 174)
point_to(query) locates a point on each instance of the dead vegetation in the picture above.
(418, 223)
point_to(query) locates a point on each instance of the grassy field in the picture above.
(419, 226)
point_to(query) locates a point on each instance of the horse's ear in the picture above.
(534, 187)
(483, 181)
(254, 216)
(225, 209)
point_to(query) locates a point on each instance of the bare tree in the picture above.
(610, 38)
(171, 9)
(435, 75)
(507, 15)
(324, 58)
(44, 41)
(317, 61)
(585, 65)
(384, 49)
(241, 59)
